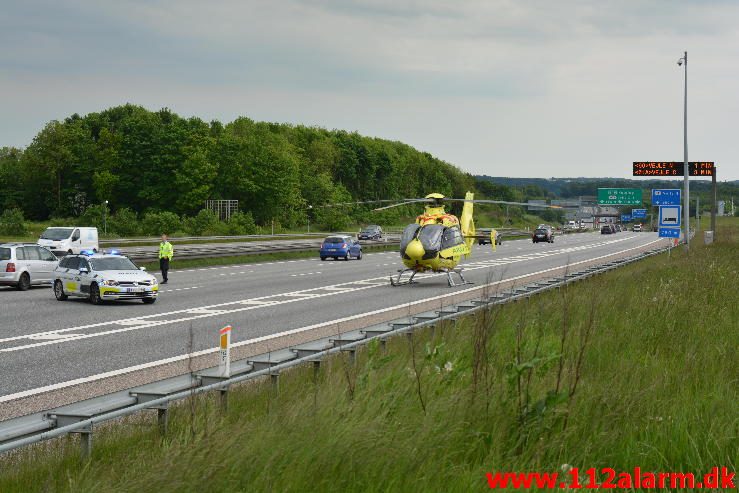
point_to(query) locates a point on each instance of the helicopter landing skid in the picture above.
(450, 279)
(398, 281)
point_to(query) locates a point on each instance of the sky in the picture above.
(523, 88)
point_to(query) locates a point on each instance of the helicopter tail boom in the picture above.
(466, 221)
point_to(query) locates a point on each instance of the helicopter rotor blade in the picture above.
(505, 202)
(362, 202)
(412, 201)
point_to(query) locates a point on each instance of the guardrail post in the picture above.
(163, 420)
(316, 368)
(274, 379)
(86, 443)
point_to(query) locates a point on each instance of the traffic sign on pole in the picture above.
(619, 196)
(625, 218)
(224, 364)
(669, 232)
(669, 196)
(639, 213)
(669, 216)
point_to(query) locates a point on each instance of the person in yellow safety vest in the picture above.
(493, 237)
(166, 252)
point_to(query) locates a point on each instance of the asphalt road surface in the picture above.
(45, 343)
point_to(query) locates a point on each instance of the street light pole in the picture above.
(309, 209)
(686, 182)
(105, 217)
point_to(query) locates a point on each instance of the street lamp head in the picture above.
(680, 62)
(106, 202)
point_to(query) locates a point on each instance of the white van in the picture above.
(69, 240)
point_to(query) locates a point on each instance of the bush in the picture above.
(124, 223)
(157, 223)
(241, 223)
(202, 221)
(12, 223)
(93, 216)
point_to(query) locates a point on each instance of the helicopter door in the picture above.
(452, 237)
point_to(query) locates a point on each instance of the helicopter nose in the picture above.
(415, 250)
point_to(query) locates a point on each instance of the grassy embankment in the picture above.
(637, 367)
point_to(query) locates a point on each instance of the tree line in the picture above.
(156, 161)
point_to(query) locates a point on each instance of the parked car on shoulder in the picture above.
(371, 232)
(606, 229)
(24, 265)
(340, 246)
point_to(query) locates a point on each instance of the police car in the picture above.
(100, 277)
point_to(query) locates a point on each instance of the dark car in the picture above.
(543, 234)
(618, 228)
(371, 232)
(605, 229)
(340, 247)
(485, 237)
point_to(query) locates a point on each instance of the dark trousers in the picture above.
(164, 267)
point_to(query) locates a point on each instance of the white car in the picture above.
(101, 277)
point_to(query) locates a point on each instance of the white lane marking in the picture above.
(173, 359)
(42, 337)
(237, 306)
(305, 274)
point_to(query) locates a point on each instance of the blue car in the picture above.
(340, 247)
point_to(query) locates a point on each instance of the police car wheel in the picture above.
(323, 258)
(346, 257)
(148, 301)
(95, 298)
(59, 291)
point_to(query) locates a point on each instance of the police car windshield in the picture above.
(56, 234)
(112, 263)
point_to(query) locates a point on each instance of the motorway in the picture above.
(47, 345)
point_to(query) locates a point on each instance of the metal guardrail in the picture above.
(81, 417)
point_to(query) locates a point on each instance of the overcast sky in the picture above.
(505, 88)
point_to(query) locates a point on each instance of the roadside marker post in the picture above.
(224, 365)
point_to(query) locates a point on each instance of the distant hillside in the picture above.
(575, 187)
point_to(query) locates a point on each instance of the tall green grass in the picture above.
(637, 367)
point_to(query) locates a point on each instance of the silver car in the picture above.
(24, 265)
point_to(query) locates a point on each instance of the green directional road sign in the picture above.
(619, 196)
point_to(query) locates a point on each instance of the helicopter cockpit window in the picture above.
(430, 237)
(409, 233)
(452, 237)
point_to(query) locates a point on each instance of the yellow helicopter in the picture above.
(437, 240)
